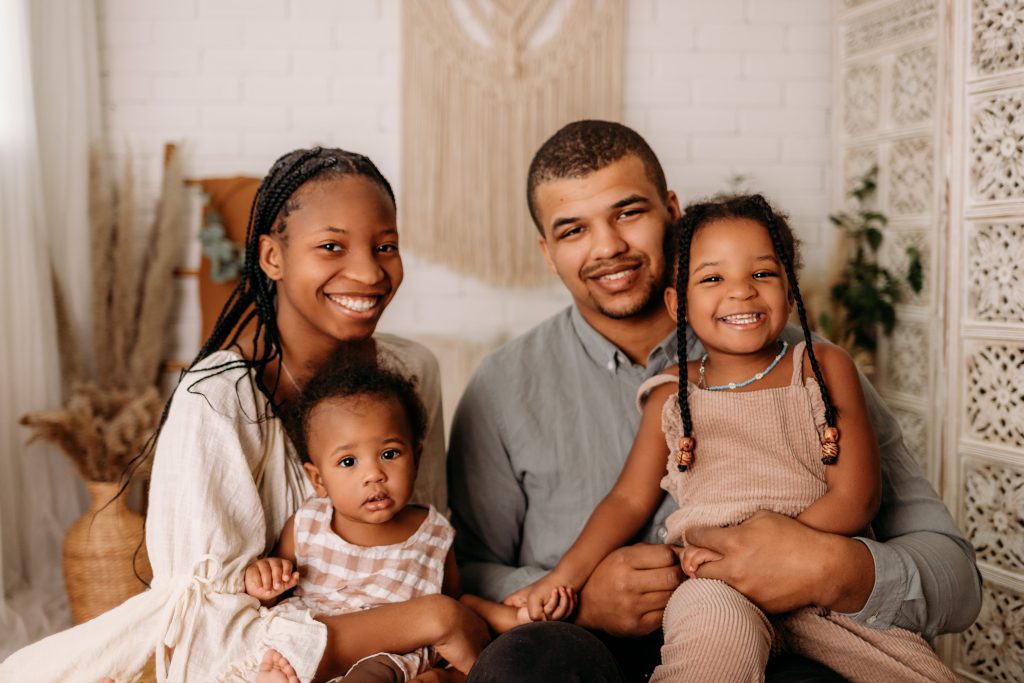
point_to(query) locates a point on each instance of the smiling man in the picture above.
(546, 423)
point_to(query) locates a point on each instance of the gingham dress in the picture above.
(338, 577)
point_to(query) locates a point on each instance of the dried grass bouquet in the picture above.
(107, 419)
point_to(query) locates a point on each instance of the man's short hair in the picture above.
(582, 147)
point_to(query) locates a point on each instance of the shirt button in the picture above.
(873, 618)
(611, 365)
(662, 532)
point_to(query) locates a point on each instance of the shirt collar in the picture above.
(609, 356)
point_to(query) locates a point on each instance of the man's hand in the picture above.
(780, 564)
(627, 593)
(267, 578)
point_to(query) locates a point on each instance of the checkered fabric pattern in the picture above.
(339, 577)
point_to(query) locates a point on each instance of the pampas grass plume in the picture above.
(107, 421)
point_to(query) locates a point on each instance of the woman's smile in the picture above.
(360, 306)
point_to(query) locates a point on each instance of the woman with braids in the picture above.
(322, 264)
(757, 425)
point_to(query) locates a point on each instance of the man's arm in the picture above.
(628, 590)
(488, 504)
(925, 574)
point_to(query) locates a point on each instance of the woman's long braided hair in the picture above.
(254, 296)
(253, 299)
(756, 208)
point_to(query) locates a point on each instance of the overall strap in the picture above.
(653, 383)
(798, 364)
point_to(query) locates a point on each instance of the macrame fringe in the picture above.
(473, 116)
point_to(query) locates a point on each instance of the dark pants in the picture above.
(552, 651)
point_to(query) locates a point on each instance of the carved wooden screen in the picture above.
(932, 91)
(889, 115)
(985, 445)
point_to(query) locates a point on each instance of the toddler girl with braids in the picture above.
(756, 425)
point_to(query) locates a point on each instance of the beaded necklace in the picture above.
(736, 385)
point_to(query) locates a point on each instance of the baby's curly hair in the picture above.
(353, 381)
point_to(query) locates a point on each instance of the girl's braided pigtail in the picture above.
(830, 437)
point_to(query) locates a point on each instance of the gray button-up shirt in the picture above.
(543, 430)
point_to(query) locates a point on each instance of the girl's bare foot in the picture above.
(275, 669)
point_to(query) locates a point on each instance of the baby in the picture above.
(360, 543)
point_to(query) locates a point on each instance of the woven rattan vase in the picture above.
(98, 553)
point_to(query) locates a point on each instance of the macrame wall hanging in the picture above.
(474, 113)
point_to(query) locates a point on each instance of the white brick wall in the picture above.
(719, 87)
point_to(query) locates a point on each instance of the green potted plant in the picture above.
(865, 295)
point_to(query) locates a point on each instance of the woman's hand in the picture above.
(267, 578)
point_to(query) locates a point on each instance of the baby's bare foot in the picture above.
(275, 669)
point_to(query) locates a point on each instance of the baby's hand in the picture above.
(267, 578)
(561, 603)
(546, 599)
(693, 557)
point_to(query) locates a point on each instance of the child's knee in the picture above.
(709, 608)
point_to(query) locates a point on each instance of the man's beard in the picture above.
(647, 304)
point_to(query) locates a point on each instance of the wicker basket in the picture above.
(98, 553)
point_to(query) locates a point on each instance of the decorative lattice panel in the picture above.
(993, 648)
(995, 394)
(997, 36)
(997, 148)
(913, 86)
(906, 358)
(915, 434)
(894, 256)
(994, 514)
(890, 24)
(863, 84)
(911, 176)
(995, 272)
(859, 160)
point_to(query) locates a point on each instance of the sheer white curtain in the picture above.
(45, 131)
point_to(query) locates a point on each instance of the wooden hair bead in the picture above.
(684, 458)
(830, 446)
